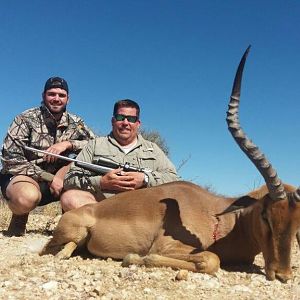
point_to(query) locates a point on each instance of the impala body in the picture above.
(183, 226)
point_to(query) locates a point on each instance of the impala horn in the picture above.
(274, 184)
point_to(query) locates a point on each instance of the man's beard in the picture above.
(56, 113)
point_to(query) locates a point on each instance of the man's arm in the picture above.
(164, 170)
(13, 156)
(79, 178)
(57, 182)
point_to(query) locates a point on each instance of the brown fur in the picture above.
(183, 226)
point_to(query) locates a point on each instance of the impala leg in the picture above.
(155, 260)
(132, 259)
(204, 262)
(298, 237)
(67, 250)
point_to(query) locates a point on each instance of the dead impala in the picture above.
(183, 226)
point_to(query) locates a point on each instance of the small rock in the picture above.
(50, 285)
(241, 288)
(182, 275)
(147, 291)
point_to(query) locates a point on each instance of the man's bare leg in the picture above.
(72, 199)
(24, 194)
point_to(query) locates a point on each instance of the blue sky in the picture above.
(177, 59)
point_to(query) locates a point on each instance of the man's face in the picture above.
(125, 132)
(56, 100)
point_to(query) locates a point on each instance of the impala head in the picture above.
(277, 216)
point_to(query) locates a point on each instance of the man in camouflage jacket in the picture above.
(28, 179)
(122, 145)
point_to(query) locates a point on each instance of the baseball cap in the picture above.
(56, 82)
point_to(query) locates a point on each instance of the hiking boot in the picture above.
(17, 226)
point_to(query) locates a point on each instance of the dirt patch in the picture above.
(26, 275)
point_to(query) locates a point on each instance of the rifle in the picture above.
(103, 165)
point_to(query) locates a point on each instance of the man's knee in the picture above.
(68, 196)
(23, 200)
(72, 199)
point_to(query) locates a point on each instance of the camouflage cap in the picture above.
(56, 82)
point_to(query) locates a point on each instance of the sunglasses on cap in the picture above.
(130, 119)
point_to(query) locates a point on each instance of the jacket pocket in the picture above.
(147, 160)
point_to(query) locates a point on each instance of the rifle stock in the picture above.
(93, 168)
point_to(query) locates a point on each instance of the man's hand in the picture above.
(57, 183)
(56, 186)
(118, 180)
(57, 149)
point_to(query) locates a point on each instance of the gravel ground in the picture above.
(26, 275)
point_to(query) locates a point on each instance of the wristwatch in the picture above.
(146, 179)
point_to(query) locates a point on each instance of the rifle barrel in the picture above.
(81, 164)
(106, 166)
(49, 153)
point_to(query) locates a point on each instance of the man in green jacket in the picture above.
(48, 127)
(122, 145)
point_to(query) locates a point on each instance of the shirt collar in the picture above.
(112, 139)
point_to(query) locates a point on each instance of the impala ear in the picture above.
(240, 203)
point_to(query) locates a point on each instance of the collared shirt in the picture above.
(37, 128)
(144, 154)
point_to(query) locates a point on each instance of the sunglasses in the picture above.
(130, 119)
